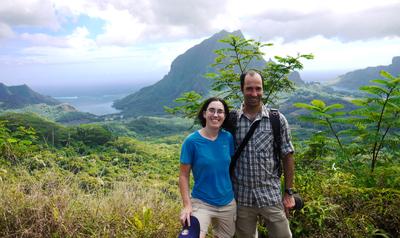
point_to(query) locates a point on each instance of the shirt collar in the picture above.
(264, 111)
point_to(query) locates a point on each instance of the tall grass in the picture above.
(53, 205)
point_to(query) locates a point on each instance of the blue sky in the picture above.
(62, 43)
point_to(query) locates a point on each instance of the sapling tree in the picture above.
(327, 116)
(377, 115)
(239, 56)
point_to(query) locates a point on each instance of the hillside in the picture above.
(21, 96)
(306, 94)
(87, 181)
(22, 99)
(355, 79)
(186, 74)
(62, 113)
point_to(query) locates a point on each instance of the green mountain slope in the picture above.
(186, 74)
(22, 99)
(21, 96)
(355, 79)
(62, 113)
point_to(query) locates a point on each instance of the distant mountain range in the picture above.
(22, 99)
(12, 97)
(186, 74)
(355, 79)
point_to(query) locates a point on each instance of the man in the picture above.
(257, 174)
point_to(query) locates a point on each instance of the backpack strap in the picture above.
(275, 121)
(246, 139)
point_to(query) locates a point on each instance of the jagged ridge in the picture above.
(12, 97)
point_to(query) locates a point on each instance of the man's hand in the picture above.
(288, 203)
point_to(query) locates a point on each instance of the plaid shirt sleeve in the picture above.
(286, 146)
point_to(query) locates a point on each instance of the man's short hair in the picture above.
(250, 72)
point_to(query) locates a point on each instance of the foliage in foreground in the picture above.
(51, 202)
(128, 188)
(52, 205)
(342, 204)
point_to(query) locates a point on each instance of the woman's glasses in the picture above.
(213, 111)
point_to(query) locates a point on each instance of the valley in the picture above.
(73, 166)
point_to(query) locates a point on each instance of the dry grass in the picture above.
(53, 205)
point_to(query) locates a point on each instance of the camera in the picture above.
(298, 202)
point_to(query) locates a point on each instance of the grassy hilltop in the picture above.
(120, 179)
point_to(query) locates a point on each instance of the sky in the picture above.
(83, 44)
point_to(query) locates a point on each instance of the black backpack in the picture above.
(276, 130)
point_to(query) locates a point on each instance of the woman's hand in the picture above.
(185, 215)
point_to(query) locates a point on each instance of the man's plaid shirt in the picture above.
(257, 182)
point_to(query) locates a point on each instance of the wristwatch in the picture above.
(289, 191)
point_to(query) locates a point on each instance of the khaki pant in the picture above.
(222, 218)
(274, 217)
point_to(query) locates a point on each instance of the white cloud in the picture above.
(28, 13)
(79, 39)
(148, 34)
(43, 39)
(332, 54)
(121, 29)
(5, 31)
(128, 22)
(347, 24)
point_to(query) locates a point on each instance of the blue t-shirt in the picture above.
(210, 161)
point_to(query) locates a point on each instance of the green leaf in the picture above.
(333, 106)
(359, 102)
(381, 81)
(305, 106)
(318, 103)
(12, 140)
(386, 75)
(373, 89)
(211, 75)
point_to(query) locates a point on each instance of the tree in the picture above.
(239, 56)
(92, 134)
(327, 116)
(378, 114)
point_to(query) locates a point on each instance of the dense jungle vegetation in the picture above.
(120, 178)
(99, 183)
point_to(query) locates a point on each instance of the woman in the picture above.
(207, 152)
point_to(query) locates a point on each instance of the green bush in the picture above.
(92, 134)
(335, 206)
(47, 132)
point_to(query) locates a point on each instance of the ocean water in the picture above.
(98, 105)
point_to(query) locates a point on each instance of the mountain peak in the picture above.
(396, 61)
(355, 79)
(22, 95)
(186, 74)
(223, 33)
